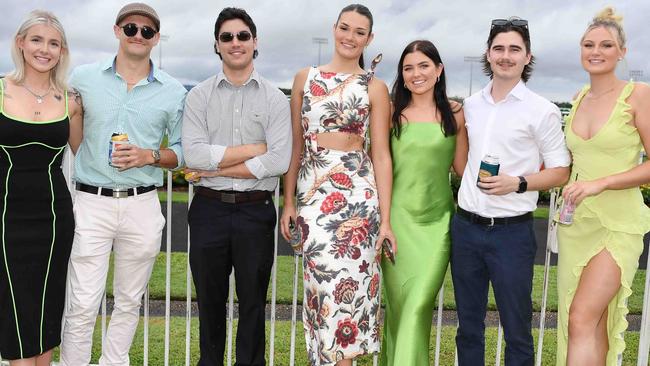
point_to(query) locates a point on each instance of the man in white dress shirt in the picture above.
(492, 232)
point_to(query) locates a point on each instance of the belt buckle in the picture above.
(229, 197)
(120, 193)
(491, 221)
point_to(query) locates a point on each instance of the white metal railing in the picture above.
(644, 341)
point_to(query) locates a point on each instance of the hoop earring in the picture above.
(437, 79)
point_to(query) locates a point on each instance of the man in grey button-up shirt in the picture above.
(237, 139)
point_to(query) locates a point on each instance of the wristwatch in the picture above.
(523, 185)
(156, 155)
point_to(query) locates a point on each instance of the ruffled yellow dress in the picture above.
(615, 220)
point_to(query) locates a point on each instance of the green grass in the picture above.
(285, 283)
(282, 344)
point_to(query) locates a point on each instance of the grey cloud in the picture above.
(286, 28)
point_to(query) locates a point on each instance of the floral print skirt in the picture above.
(338, 222)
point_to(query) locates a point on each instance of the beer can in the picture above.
(117, 138)
(489, 167)
(566, 213)
(192, 177)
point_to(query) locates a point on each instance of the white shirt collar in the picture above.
(518, 92)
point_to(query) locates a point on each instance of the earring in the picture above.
(620, 58)
(406, 87)
(437, 78)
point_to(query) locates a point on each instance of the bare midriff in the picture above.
(342, 141)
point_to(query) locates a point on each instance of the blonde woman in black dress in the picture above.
(38, 118)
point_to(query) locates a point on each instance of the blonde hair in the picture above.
(58, 74)
(608, 19)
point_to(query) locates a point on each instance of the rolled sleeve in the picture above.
(197, 150)
(275, 161)
(174, 128)
(551, 141)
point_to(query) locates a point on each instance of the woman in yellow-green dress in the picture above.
(599, 252)
(428, 138)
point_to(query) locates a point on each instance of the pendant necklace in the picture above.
(39, 98)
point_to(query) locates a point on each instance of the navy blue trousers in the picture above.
(223, 236)
(503, 255)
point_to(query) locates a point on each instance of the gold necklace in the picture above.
(591, 93)
(39, 98)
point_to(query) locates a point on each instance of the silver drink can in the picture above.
(566, 213)
(489, 167)
(117, 138)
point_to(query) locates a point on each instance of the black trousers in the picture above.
(223, 236)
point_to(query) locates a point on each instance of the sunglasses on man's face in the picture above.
(242, 36)
(514, 22)
(131, 29)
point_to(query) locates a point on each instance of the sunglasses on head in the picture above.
(130, 30)
(242, 36)
(514, 22)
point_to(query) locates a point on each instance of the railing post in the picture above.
(551, 242)
(188, 286)
(497, 360)
(294, 308)
(168, 265)
(441, 295)
(274, 273)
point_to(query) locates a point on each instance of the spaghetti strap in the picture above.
(66, 104)
(2, 95)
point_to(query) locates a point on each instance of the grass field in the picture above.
(285, 281)
(282, 345)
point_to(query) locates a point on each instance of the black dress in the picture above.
(36, 232)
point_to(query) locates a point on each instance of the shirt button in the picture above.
(237, 130)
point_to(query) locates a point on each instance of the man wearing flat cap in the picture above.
(116, 206)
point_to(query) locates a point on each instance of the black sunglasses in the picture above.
(242, 36)
(131, 30)
(514, 22)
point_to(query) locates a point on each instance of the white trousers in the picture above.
(132, 227)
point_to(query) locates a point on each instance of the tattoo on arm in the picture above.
(76, 96)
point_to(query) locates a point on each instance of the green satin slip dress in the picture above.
(422, 207)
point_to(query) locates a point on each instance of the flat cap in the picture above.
(138, 9)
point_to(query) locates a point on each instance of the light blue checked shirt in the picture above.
(152, 109)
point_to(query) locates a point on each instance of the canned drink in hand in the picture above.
(566, 213)
(117, 138)
(192, 177)
(489, 167)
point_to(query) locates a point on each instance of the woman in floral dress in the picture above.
(341, 191)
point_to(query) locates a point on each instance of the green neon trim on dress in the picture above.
(4, 250)
(34, 143)
(49, 260)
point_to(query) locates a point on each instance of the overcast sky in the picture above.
(286, 28)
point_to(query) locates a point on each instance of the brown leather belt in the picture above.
(233, 196)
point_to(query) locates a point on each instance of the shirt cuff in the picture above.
(178, 150)
(216, 155)
(557, 160)
(256, 168)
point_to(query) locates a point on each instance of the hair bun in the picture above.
(609, 15)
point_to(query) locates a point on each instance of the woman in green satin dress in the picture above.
(429, 137)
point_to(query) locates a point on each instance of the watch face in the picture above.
(156, 155)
